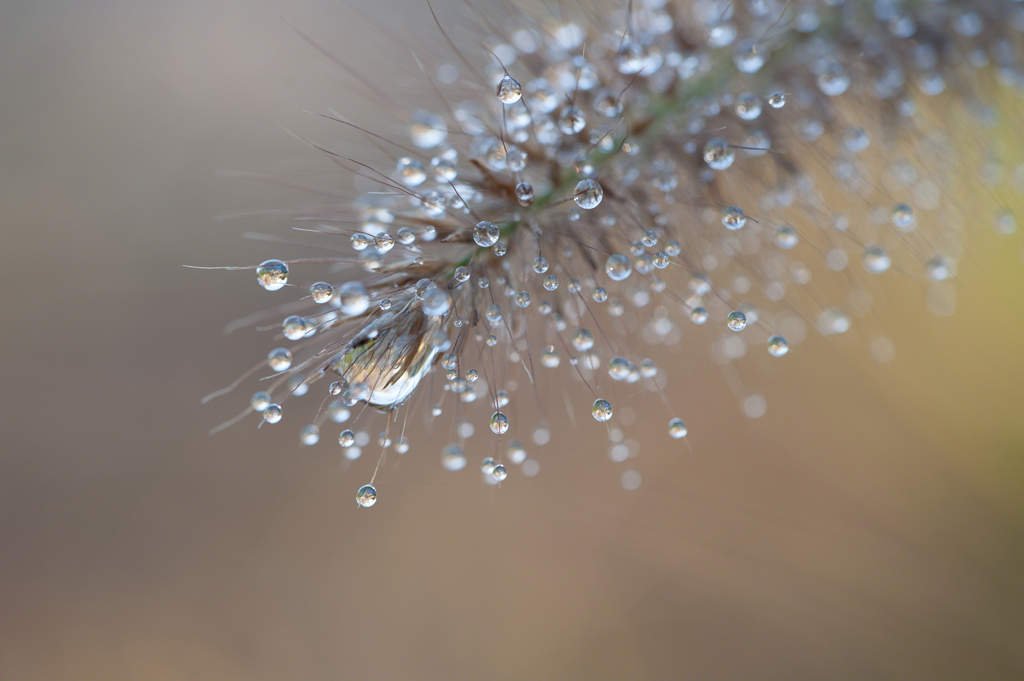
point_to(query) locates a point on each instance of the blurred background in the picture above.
(871, 525)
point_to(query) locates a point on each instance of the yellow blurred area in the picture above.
(871, 525)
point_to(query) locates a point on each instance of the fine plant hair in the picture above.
(581, 183)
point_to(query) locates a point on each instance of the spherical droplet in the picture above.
(903, 217)
(260, 400)
(309, 435)
(321, 292)
(676, 428)
(876, 260)
(272, 414)
(411, 172)
(499, 423)
(272, 274)
(777, 100)
(698, 315)
(718, 154)
(353, 298)
(347, 438)
(582, 340)
(524, 193)
(452, 458)
(485, 234)
(588, 194)
(499, 472)
(280, 359)
(777, 346)
(602, 410)
(749, 56)
(737, 321)
(509, 90)
(785, 237)
(733, 217)
(366, 496)
(618, 267)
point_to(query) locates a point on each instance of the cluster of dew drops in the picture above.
(534, 114)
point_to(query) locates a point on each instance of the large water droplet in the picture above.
(272, 274)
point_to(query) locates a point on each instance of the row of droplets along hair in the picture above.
(589, 187)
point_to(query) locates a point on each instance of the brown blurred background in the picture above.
(870, 526)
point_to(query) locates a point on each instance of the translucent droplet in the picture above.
(366, 496)
(347, 438)
(499, 423)
(411, 172)
(777, 100)
(618, 267)
(540, 264)
(549, 357)
(272, 274)
(618, 368)
(785, 237)
(718, 154)
(499, 472)
(509, 90)
(522, 299)
(272, 414)
(571, 120)
(749, 56)
(676, 428)
(733, 217)
(452, 458)
(876, 260)
(280, 359)
(487, 466)
(309, 435)
(384, 242)
(737, 321)
(321, 292)
(524, 193)
(260, 400)
(833, 80)
(599, 295)
(777, 346)
(903, 217)
(698, 315)
(588, 194)
(582, 340)
(353, 298)
(602, 410)
(748, 106)
(360, 241)
(428, 129)
(485, 234)
(435, 302)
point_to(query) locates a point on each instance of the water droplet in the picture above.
(366, 496)
(777, 100)
(602, 410)
(748, 106)
(411, 172)
(499, 423)
(321, 292)
(618, 368)
(785, 237)
(876, 260)
(588, 194)
(676, 428)
(347, 438)
(698, 315)
(309, 435)
(718, 155)
(777, 346)
(280, 359)
(833, 80)
(272, 414)
(571, 120)
(749, 56)
(737, 321)
(452, 458)
(618, 267)
(903, 217)
(582, 340)
(485, 234)
(509, 90)
(272, 274)
(733, 217)
(524, 193)
(549, 357)
(260, 400)
(428, 129)
(384, 242)
(499, 472)
(435, 302)
(360, 241)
